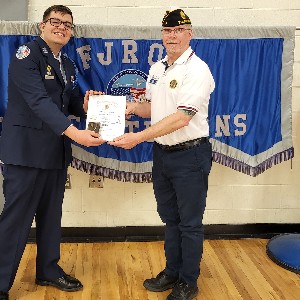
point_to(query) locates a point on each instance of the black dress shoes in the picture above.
(65, 283)
(183, 291)
(160, 283)
(3, 295)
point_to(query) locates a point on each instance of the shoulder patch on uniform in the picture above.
(22, 52)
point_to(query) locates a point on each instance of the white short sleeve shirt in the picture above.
(186, 84)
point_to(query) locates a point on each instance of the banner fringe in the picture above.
(110, 173)
(253, 171)
(147, 177)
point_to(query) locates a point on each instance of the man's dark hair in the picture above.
(64, 10)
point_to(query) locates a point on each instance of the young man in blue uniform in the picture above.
(179, 88)
(36, 150)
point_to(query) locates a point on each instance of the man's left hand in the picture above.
(126, 141)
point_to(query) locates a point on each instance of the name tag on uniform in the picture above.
(49, 76)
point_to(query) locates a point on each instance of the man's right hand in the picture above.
(130, 109)
(84, 137)
(141, 109)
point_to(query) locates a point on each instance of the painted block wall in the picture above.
(233, 198)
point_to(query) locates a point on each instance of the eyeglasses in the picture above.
(57, 22)
(179, 30)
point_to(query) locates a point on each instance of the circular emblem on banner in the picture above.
(173, 84)
(22, 52)
(130, 83)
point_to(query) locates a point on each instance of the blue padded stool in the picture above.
(284, 250)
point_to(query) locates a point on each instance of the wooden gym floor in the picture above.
(230, 269)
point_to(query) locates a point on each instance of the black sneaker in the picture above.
(183, 291)
(160, 283)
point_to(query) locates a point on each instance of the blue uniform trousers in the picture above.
(180, 182)
(29, 193)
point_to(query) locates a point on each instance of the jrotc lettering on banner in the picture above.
(225, 126)
(130, 53)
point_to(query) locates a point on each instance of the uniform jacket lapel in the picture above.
(54, 63)
(66, 69)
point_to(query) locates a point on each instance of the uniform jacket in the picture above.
(39, 102)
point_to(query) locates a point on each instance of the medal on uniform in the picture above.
(49, 74)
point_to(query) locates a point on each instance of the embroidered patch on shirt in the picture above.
(22, 52)
(153, 80)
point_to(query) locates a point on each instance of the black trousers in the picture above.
(180, 182)
(30, 193)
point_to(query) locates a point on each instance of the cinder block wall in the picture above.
(234, 198)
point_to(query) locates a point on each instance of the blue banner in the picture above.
(250, 126)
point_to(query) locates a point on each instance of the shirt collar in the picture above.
(182, 58)
(57, 57)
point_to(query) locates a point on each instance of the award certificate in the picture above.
(106, 115)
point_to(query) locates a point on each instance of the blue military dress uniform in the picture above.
(35, 153)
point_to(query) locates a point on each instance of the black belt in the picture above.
(184, 146)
